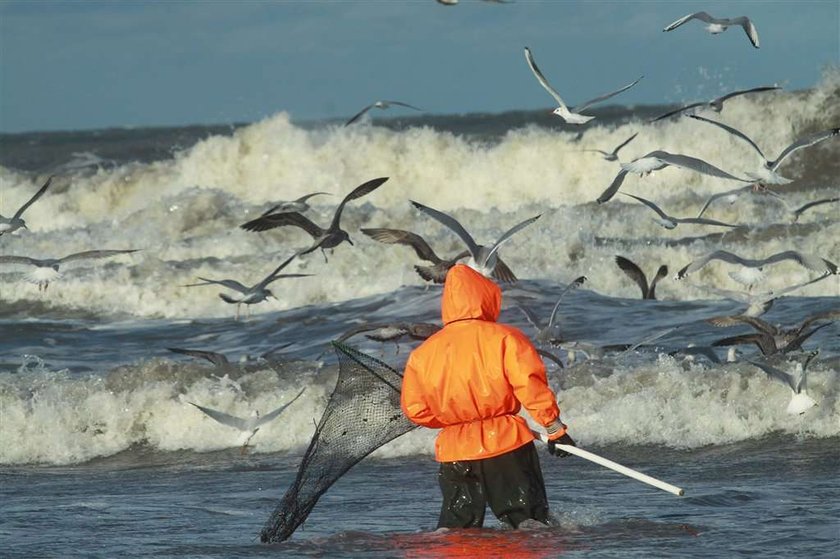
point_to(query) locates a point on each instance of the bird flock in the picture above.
(486, 258)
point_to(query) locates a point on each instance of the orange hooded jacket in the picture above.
(469, 378)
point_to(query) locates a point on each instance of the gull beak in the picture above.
(349, 240)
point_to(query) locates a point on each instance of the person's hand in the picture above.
(553, 448)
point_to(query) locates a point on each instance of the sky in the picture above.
(73, 65)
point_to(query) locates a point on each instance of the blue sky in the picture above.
(81, 65)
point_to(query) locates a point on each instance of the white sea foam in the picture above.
(184, 213)
(56, 418)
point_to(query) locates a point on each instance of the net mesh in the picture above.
(363, 413)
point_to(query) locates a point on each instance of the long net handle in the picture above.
(629, 472)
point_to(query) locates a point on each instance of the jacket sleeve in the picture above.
(413, 399)
(526, 374)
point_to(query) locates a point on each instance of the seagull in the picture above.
(798, 212)
(10, 224)
(613, 155)
(656, 160)
(483, 259)
(732, 195)
(800, 402)
(766, 174)
(716, 104)
(570, 116)
(810, 261)
(223, 364)
(330, 237)
(719, 25)
(248, 296)
(378, 105)
(47, 268)
(772, 339)
(249, 426)
(299, 205)
(392, 331)
(550, 333)
(635, 273)
(435, 273)
(757, 303)
(671, 222)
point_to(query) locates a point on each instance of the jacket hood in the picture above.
(468, 294)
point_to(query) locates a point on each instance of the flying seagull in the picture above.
(671, 222)
(732, 195)
(798, 212)
(757, 303)
(392, 332)
(299, 205)
(330, 237)
(483, 259)
(658, 159)
(572, 115)
(719, 25)
(221, 361)
(46, 269)
(800, 402)
(773, 339)
(810, 261)
(613, 155)
(636, 274)
(10, 224)
(437, 271)
(766, 174)
(378, 105)
(550, 333)
(250, 425)
(248, 296)
(716, 104)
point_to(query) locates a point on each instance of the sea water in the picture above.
(103, 455)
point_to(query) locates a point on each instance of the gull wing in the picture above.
(831, 315)
(695, 164)
(401, 104)
(229, 283)
(91, 254)
(732, 131)
(704, 221)
(271, 415)
(650, 205)
(702, 16)
(810, 261)
(358, 192)
(510, 232)
(633, 272)
(660, 273)
(604, 97)
(358, 115)
(775, 373)
(530, 315)
(274, 275)
(574, 284)
(18, 260)
(400, 237)
(607, 195)
(713, 197)
(550, 356)
(804, 142)
(723, 98)
(270, 221)
(749, 28)
(764, 342)
(452, 224)
(32, 200)
(677, 111)
(217, 359)
(502, 272)
(797, 212)
(226, 419)
(543, 82)
(622, 144)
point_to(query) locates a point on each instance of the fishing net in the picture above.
(363, 413)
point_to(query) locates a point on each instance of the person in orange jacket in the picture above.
(470, 380)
